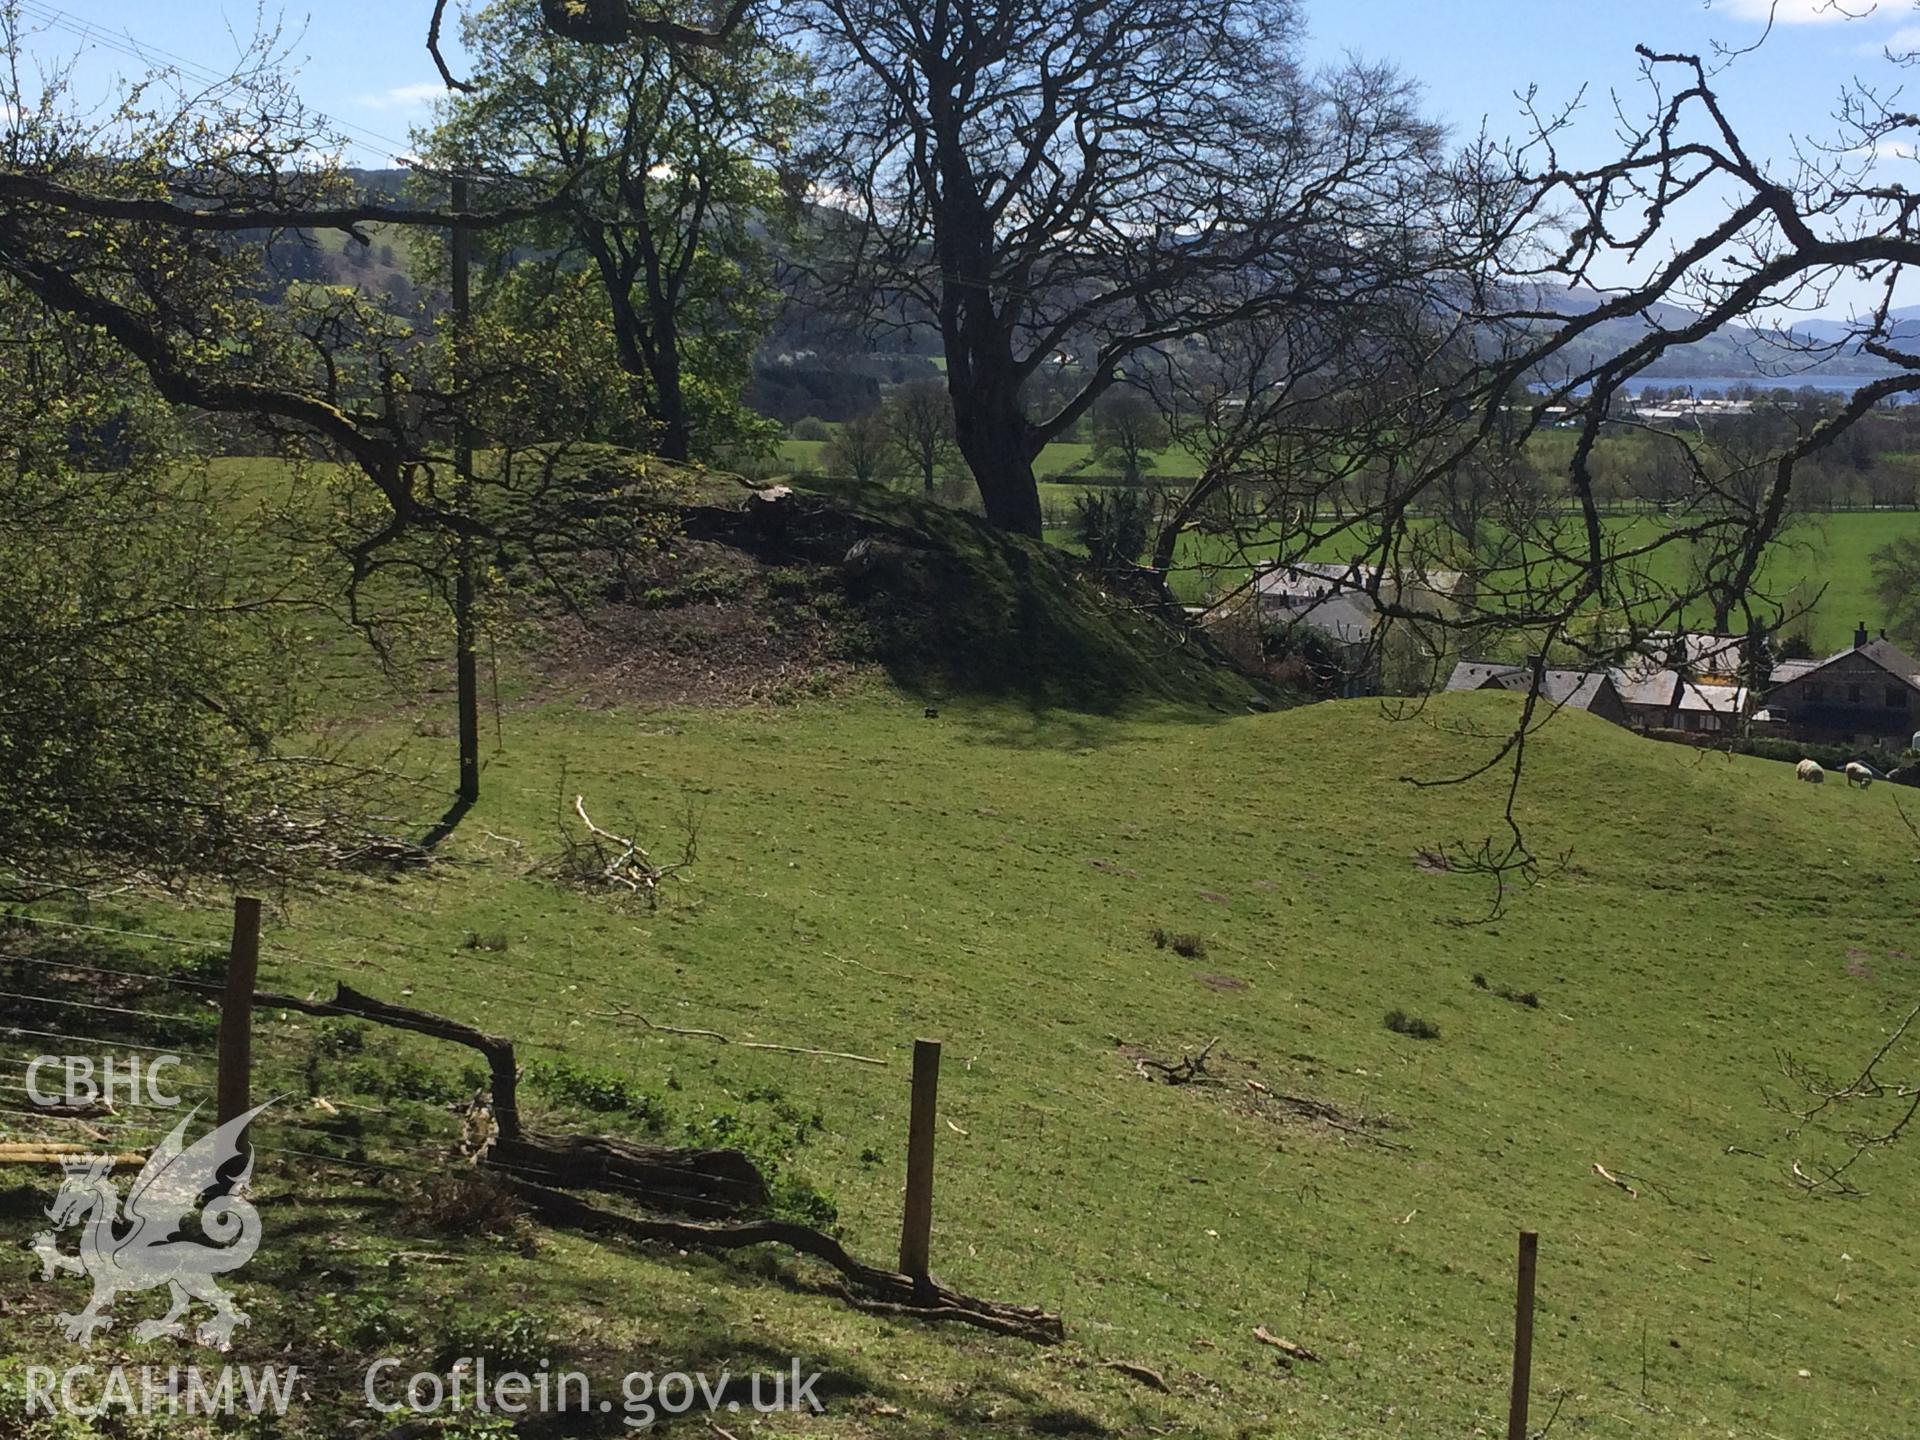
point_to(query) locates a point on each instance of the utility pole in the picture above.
(466, 666)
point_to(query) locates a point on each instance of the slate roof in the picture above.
(1575, 688)
(1348, 618)
(1883, 653)
(1645, 687)
(1714, 699)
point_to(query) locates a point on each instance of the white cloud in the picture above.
(404, 97)
(1799, 12)
(1903, 41)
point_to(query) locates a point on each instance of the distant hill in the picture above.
(1760, 352)
(1905, 327)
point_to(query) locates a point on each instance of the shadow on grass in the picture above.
(325, 1297)
(448, 823)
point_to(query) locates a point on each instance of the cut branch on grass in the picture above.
(1613, 1179)
(604, 860)
(724, 1185)
(1184, 1071)
(1287, 1348)
(1152, 1379)
(498, 1050)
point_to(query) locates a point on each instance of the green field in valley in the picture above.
(1822, 560)
(1821, 564)
(1060, 893)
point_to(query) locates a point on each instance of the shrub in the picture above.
(1791, 752)
(337, 1036)
(1112, 524)
(1518, 997)
(812, 427)
(515, 1340)
(1412, 1026)
(1190, 947)
(403, 1080)
(475, 1204)
(602, 1091)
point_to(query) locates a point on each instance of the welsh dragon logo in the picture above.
(136, 1246)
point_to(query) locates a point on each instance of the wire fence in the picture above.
(114, 1009)
(105, 993)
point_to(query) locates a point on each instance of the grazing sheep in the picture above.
(1810, 771)
(1858, 774)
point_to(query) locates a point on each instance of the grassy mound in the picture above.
(942, 602)
(1073, 902)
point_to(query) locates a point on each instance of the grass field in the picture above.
(1822, 561)
(996, 876)
(993, 878)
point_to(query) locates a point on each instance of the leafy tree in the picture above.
(152, 233)
(1896, 582)
(861, 449)
(144, 676)
(664, 168)
(918, 418)
(1127, 429)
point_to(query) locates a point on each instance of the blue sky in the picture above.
(364, 62)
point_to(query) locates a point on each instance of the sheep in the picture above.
(1810, 771)
(1858, 774)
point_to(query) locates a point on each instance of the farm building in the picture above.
(1342, 604)
(1689, 681)
(1590, 690)
(1710, 706)
(1869, 692)
(1304, 584)
(1649, 691)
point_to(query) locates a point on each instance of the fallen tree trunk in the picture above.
(704, 1182)
(709, 1182)
(503, 1069)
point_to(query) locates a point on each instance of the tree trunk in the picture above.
(466, 672)
(994, 437)
(676, 436)
(989, 421)
(466, 677)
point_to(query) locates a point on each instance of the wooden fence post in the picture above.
(236, 1011)
(916, 1230)
(1523, 1336)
